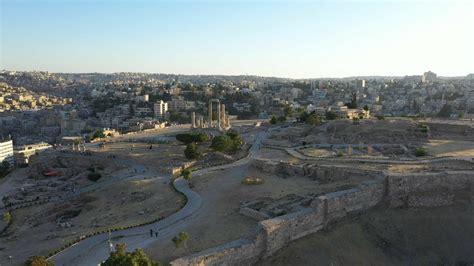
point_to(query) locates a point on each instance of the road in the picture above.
(94, 250)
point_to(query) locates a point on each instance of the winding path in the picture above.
(95, 249)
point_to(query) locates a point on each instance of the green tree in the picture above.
(181, 239)
(187, 138)
(98, 134)
(273, 120)
(222, 143)
(120, 257)
(228, 143)
(38, 261)
(313, 119)
(4, 168)
(303, 116)
(191, 152)
(445, 111)
(287, 110)
(353, 103)
(236, 140)
(282, 119)
(331, 115)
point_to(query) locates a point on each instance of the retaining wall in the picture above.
(427, 190)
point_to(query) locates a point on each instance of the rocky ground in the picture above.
(40, 229)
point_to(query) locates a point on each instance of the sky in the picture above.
(297, 39)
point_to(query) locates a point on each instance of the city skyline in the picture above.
(274, 39)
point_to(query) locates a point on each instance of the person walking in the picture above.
(151, 232)
(156, 233)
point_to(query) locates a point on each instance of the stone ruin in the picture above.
(392, 191)
(266, 208)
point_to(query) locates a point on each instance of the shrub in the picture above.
(282, 119)
(252, 181)
(186, 173)
(94, 176)
(424, 128)
(273, 120)
(181, 239)
(7, 216)
(331, 115)
(420, 152)
(121, 257)
(38, 261)
(191, 152)
(188, 138)
(228, 143)
(98, 134)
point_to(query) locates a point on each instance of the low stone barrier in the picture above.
(418, 189)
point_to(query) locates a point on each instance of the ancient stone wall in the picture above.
(426, 189)
(317, 171)
(243, 251)
(416, 189)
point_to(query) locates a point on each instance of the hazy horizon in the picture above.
(299, 40)
(229, 75)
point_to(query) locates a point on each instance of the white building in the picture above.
(22, 154)
(160, 109)
(143, 98)
(360, 83)
(6, 151)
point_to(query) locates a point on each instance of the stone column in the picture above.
(201, 121)
(219, 116)
(193, 120)
(210, 113)
(223, 120)
(369, 150)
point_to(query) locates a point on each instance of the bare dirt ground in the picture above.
(440, 147)
(435, 236)
(219, 221)
(39, 229)
(160, 155)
